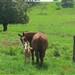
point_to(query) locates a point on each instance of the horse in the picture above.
(27, 51)
(38, 42)
(39, 45)
(28, 36)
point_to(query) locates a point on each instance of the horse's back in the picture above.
(39, 42)
(29, 35)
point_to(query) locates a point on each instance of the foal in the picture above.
(26, 47)
(27, 52)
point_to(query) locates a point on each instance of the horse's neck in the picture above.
(30, 35)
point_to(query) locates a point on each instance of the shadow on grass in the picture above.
(44, 66)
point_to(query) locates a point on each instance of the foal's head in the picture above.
(26, 45)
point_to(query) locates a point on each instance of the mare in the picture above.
(39, 45)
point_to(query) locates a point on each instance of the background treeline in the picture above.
(15, 11)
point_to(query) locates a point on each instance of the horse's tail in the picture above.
(39, 44)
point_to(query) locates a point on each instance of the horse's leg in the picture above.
(41, 57)
(37, 56)
(41, 61)
(32, 52)
(28, 59)
(25, 57)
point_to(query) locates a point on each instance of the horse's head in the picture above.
(23, 38)
(27, 36)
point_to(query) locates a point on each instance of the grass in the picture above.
(58, 25)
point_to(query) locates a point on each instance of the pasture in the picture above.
(58, 25)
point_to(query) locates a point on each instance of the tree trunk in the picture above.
(5, 27)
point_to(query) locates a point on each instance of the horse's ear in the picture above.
(19, 34)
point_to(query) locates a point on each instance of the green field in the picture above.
(58, 25)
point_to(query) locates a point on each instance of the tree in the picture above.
(68, 3)
(13, 12)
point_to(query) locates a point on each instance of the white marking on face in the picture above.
(23, 38)
(25, 45)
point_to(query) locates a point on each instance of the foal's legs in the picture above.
(28, 59)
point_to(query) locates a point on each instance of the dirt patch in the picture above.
(67, 67)
(63, 67)
(15, 43)
(7, 43)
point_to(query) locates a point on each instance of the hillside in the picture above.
(58, 24)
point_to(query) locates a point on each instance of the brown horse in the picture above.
(28, 36)
(39, 44)
(38, 41)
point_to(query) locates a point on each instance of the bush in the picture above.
(67, 3)
(55, 46)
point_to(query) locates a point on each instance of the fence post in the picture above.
(74, 49)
